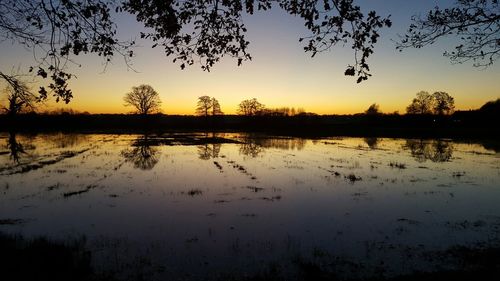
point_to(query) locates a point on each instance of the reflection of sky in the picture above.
(281, 74)
(299, 200)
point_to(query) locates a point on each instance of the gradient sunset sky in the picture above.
(280, 74)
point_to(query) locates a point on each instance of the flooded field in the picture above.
(236, 206)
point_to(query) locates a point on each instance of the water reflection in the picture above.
(433, 150)
(253, 145)
(142, 154)
(207, 151)
(371, 142)
(17, 149)
(282, 208)
(251, 149)
(62, 140)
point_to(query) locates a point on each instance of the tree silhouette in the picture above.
(144, 98)
(443, 103)
(250, 107)
(476, 23)
(422, 104)
(57, 30)
(208, 106)
(440, 103)
(18, 95)
(218, 28)
(374, 109)
(216, 110)
(203, 106)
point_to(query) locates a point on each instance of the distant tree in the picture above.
(373, 110)
(204, 106)
(443, 103)
(422, 104)
(144, 98)
(475, 23)
(208, 106)
(19, 97)
(250, 107)
(216, 110)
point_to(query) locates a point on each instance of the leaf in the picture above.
(350, 71)
(42, 73)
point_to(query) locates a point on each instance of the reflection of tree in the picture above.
(371, 142)
(254, 145)
(434, 150)
(66, 140)
(142, 154)
(15, 147)
(251, 149)
(207, 151)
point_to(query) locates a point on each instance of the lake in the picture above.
(191, 206)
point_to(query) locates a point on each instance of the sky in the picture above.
(280, 73)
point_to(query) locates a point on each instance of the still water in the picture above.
(191, 206)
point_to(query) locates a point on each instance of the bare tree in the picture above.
(250, 107)
(144, 98)
(443, 103)
(475, 23)
(18, 96)
(422, 104)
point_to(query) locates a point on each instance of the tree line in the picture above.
(438, 103)
(145, 100)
